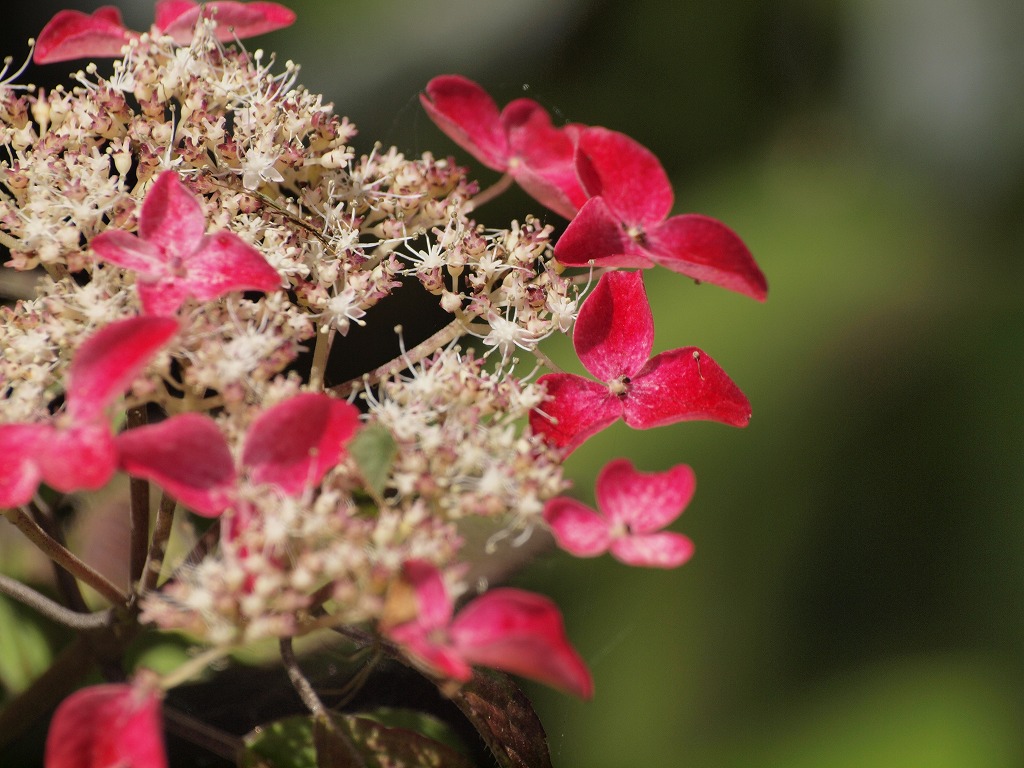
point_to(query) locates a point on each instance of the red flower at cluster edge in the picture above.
(173, 256)
(75, 450)
(508, 629)
(624, 223)
(634, 506)
(613, 337)
(519, 140)
(73, 34)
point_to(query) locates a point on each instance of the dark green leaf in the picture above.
(285, 743)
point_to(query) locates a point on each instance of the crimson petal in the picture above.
(467, 114)
(595, 234)
(614, 331)
(224, 262)
(295, 443)
(185, 455)
(177, 18)
(653, 550)
(575, 409)
(645, 501)
(626, 174)
(522, 633)
(705, 249)
(578, 529)
(683, 385)
(76, 35)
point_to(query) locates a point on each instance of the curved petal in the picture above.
(20, 473)
(434, 605)
(520, 632)
(683, 385)
(422, 648)
(178, 18)
(295, 443)
(129, 251)
(542, 157)
(614, 331)
(224, 262)
(171, 217)
(467, 115)
(76, 35)
(110, 359)
(162, 296)
(706, 250)
(626, 174)
(107, 725)
(596, 235)
(185, 455)
(576, 409)
(643, 501)
(82, 458)
(653, 550)
(578, 529)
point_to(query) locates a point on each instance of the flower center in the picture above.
(619, 387)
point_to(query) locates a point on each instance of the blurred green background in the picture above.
(857, 595)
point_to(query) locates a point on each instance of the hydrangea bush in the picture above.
(204, 233)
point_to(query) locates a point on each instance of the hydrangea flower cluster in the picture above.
(204, 234)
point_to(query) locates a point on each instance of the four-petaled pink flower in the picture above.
(102, 34)
(290, 446)
(75, 450)
(103, 726)
(634, 506)
(624, 223)
(174, 258)
(507, 629)
(613, 337)
(519, 140)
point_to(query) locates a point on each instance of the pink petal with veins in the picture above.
(107, 362)
(626, 174)
(20, 473)
(171, 217)
(676, 386)
(105, 726)
(295, 443)
(522, 633)
(185, 455)
(178, 18)
(76, 35)
(653, 550)
(644, 501)
(705, 249)
(576, 409)
(614, 331)
(467, 114)
(577, 528)
(597, 234)
(224, 262)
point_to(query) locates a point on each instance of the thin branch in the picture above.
(139, 495)
(66, 583)
(489, 194)
(63, 557)
(54, 611)
(299, 682)
(194, 730)
(161, 535)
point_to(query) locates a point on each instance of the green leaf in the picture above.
(374, 450)
(25, 650)
(285, 743)
(505, 720)
(384, 747)
(419, 722)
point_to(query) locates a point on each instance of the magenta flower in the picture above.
(76, 35)
(75, 449)
(290, 446)
(624, 223)
(506, 629)
(175, 259)
(613, 337)
(634, 506)
(110, 725)
(519, 140)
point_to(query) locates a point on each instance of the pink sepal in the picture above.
(469, 117)
(578, 529)
(653, 550)
(575, 410)
(77, 458)
(295, 443)
(185, 455)
(177, 18)
(76, 35)
(596, 235)
(105, 726)
(643, 501)
(614, 331)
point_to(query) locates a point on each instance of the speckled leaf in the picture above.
(374, 450)
(286, 743)
(505, 720)
(384, 747)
